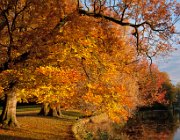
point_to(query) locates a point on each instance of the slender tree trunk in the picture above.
(48, 110)
(8, 116)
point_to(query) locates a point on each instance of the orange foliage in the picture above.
(62, 56)
(150, 84)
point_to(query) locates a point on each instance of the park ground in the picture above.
(34, 127)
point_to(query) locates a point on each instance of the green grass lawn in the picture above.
(26, 108)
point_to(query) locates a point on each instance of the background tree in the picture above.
(150, 81)
(170, 92)
(178, 91)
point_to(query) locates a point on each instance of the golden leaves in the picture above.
(59, 75)
(93, 98)
(1, 90)
(55, 85)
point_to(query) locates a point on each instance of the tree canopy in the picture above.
(90, 55)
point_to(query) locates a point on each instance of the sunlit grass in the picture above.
(36, 127)
(33, 126)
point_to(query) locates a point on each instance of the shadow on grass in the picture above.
(66, 115)
(7, 137)
(33, 114)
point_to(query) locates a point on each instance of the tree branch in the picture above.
(3, 21)
(24, 56)
(120, 22)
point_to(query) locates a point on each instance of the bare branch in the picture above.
(120, 22)
(124, 10)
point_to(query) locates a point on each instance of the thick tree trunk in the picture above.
(48, 110)
(8, 116)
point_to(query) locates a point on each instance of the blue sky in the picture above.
(171, 65)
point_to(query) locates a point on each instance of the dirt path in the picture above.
(43, 128)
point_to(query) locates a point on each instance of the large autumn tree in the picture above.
(24, 24)
(92, 70)
(27, 24)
